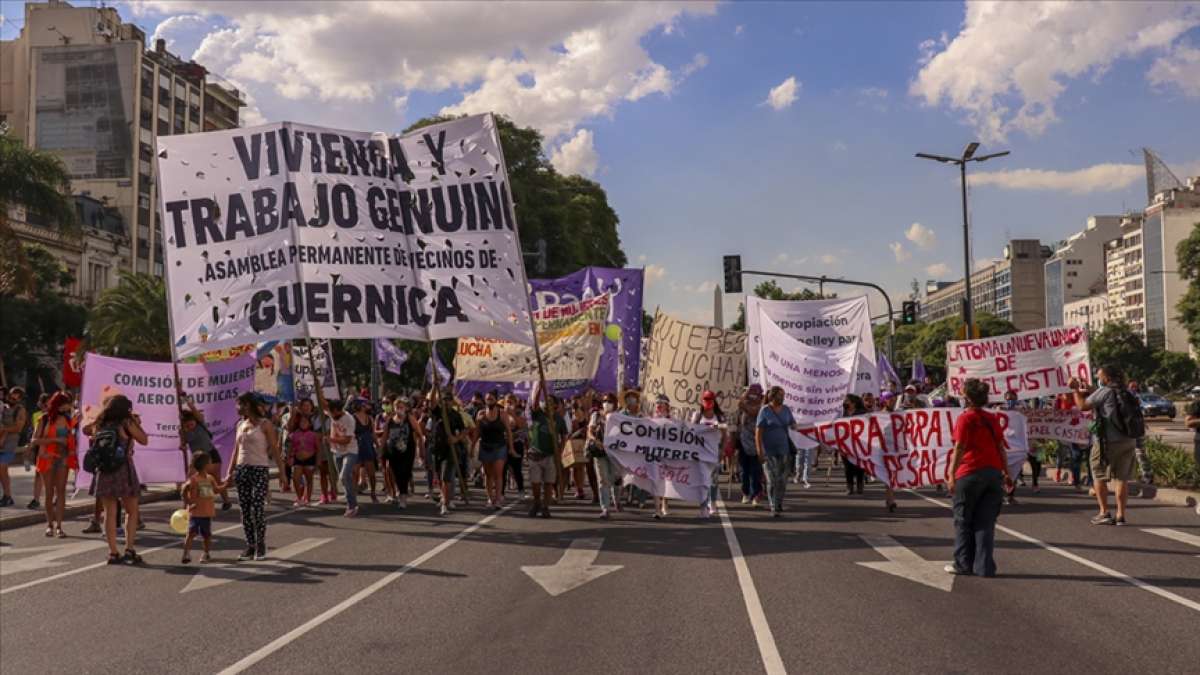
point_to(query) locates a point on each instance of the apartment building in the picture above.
(1077, 268)
(1012, 288)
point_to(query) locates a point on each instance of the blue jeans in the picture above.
(804, 458)
(751, 474)
(345, 467)
(977, 500)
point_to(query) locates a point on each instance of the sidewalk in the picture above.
(79, 505)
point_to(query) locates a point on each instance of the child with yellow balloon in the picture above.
(199, 495)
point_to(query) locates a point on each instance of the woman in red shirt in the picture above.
(978, 478)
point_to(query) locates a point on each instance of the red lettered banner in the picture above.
(909, 449)
(1066, 426)
(1034, 363)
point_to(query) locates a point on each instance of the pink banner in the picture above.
(910, 449)
(1066, 426)
(214, 386)
(1034, 364)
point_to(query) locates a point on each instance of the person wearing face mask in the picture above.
(520, 433)
(606, 472)
(710, 415)
(751, 468)
(774, 446)
(495, 447)
(662, 411)
(633, 408)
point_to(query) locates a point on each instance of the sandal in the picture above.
(132, 557)
(49, 531)
(114, 558)
(60, 534)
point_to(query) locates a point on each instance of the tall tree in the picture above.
(1187, 254)
(1174, 371)
(571, 213)
(33, 325)
(130, 319)
(39, 182)
(1118, 343)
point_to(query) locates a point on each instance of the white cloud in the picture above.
(873, 92)
(938, 271)
(829, 259)
(654, 273)
(922, 236)
(902, 254)
(1011, 60)
(783, 95)
(1179, 69)
(739, 29)
(547, 65)
(1098, 178)
(875, 97)
(170, 28)
(698, 62)
(576, 155)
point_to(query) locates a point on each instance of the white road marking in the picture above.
(772, 661)
(85, 568)
(573, 570)
(47, 556)
(1132, 581)
(1176, 535)
(211, 575)
(297, 632)
(904, 563)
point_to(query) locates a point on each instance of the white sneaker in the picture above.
(745, 499)
(444, 511)
(807, 485)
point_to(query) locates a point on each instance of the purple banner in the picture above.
(214, 386)
(622, 354)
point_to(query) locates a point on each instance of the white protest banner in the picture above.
(213, 386)
(1034, 363)
(913, 448)
(815, 380)
(825, 324)
(683, 360)
(287, 231)
(303, 377)
(1065, 426)
(570, 335)
(664, 457)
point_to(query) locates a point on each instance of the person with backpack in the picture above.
(1119, 423)
(109, 458)
(12, 423)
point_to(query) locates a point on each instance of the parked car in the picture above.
(1154, 405)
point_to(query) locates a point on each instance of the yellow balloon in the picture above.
(179, 521)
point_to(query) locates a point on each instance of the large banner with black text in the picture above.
(664, 457)
(685, 359)
(821, 324)
(1035, 363)
(288, 230)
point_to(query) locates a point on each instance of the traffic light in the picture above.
(908, 313)
(733, 274)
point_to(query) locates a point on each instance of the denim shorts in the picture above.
(9, 457)
(496, 454)
(200, 525)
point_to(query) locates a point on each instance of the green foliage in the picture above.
(570, 212)
(1188, 261)
(1176, 371)
(1118, 343)
(770, 290)
(130, 319)
(35, 325)
(1172, 466)
(39, 182)
(927, 341)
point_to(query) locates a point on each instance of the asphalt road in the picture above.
(1170, 431)
(414, 592)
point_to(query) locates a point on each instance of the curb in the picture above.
(1177, 497)
(76, 509)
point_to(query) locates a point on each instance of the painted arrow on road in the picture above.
(47, 556)
(902, 562)
(573, 570)
(213, 575)
(1175, 535)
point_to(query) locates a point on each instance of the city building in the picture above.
(1123, 262)
(1168, 220)
(80, 83)
(1089, 312)
(93, 257)
(1012, 288)
(1077, 268)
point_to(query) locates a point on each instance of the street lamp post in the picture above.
(968, 155)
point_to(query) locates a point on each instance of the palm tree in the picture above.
(39, 182)
(130, 319)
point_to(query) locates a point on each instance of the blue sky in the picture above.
(784, 132)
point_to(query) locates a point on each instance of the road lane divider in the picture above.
(772, 661)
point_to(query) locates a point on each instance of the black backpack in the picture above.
(106, 452)
(1128, 418)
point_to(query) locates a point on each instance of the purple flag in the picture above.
(435, 361)
(887, 371)
(918, 370)
(391, 356)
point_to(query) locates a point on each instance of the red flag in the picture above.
(72, 373)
